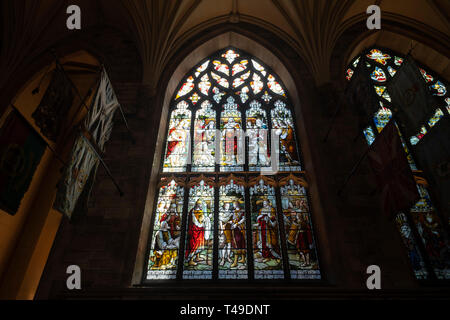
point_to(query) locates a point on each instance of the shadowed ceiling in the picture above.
(159, 28)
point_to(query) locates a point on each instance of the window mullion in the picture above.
(282, 230)
(248, 229)
(183, 235)
(215, 275)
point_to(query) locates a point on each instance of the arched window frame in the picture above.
(189, 177)
(413, 240)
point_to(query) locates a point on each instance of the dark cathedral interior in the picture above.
(214, 150)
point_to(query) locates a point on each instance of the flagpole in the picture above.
(121, 111)
(93, 147)
(333, 119)
(126, 125)
(352, 172)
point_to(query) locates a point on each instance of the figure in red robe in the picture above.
(196, 234)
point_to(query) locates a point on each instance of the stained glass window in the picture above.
(217, 216)
(421, 229)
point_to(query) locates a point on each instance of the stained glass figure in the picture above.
(378, 56)
(232, 232)
(378, 75)
(204, 139)
(283, 123)
(432, 233)
(165, 242)
(414, 254)
(232, 146)
(178, 139)
(200, 232)
(265, 232)
(258, 137)
(302, 255)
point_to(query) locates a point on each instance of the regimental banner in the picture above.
(414, 104)
(21, 150)
(360, 96)
(99, 121)
(394, 177)
(433, 156)
(51, 113)
(82, 161)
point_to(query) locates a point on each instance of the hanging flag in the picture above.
(99, 121)
(413, 102)
(51, 113)
(360, 96)
(82, 161)
(432, 154)
(394, 177)
(21, 150)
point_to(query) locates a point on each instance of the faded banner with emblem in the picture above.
(84, 160)
(56, 103)
(21, 150)
(414, 104)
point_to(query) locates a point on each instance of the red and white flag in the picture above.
(394, 177)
